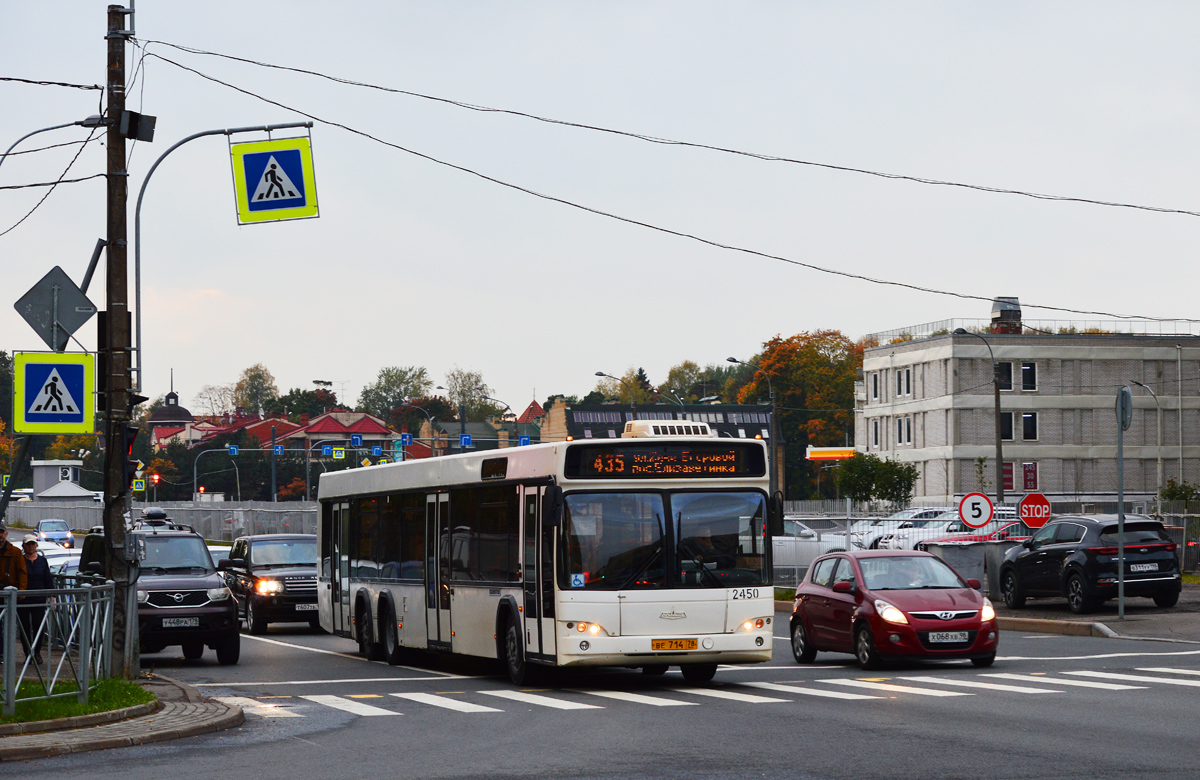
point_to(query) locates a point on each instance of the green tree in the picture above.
(393, 386)
(682, 381)
(297, 402)
(1180, 491)
(467, 391)
(895, 481)
(856, 477)
(410, 418)
(255, 389)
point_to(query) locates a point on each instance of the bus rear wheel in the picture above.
(366, 637)
(514, 655)
(698, 673)
(392, 649)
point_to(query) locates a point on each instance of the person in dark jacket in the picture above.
(33, 608)
(12, 570)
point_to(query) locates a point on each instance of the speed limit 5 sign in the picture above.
(975, 510)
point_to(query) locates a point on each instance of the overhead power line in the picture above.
(61, 180)
(51, 83)
(690, 144)
(667, 231)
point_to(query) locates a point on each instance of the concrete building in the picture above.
(926, 397)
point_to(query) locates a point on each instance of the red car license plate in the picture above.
(947, 636)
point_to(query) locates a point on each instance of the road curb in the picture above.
(80, 721)
(192, 716)
(1043, 626)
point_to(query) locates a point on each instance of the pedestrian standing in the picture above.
(33, 607)
(12, 572)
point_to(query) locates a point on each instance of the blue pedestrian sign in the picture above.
(273, 180)
(327, 450)
(139, 485)
(233, 449)
(464, 440)
(278, 449)
(406, 440)
(54, 393)
(5, 480)
(376, 451)
(339, 453)
(356, 440)
(522, 441)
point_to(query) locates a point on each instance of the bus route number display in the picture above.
(641, 462)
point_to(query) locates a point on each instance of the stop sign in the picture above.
(1034, 510)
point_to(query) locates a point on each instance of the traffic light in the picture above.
(129, 435)
(155, 478)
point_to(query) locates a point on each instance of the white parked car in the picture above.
(912, 534)
(867, 533)
(799, 544)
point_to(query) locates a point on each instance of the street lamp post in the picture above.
(510, 409)
(432, 450)
(996, 393)
(777, 476)
(632, 399)
(1158, 449)
(672, 397)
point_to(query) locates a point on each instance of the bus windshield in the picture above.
(616, 541)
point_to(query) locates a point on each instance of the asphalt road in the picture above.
(1065, 707)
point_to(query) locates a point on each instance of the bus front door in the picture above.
(340, 579)
(437, 570)
(538, 577)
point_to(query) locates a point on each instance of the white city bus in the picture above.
(646, 551)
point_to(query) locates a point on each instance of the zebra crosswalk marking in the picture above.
(259, 708)
(1138, 678)
(976, 684)
(1072, 683)
(637, 698)
(717, 693)
(1169, 670)
(542, 701)
(445, 702)
(347, 705)
(878, 686)
(783, 688)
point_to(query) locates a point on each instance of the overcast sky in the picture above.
(416, 263)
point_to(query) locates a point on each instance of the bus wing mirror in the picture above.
(775, 515)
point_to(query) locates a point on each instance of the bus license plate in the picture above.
(189, 622)
(306, 607)
(672, 644)
(947, 636)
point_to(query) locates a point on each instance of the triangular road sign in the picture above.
(53, 397)
(274, 184)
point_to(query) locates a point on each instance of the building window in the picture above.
(1004, 370)
(908, 381)
(899, 381)
(1029, 376)
(899, 430)
(908, 430)
(874, 433)
(1006, 426)
(1029, 431)
(875, 387)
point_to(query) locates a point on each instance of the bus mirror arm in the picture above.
(775, 514)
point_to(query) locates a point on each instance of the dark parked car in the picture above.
(1076, 558)
(182, 599)
(881, 604)
(274, 579)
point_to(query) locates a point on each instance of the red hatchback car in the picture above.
(881, 604)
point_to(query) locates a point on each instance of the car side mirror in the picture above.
(224, 564)
(1027, 544)
(844, 586)
(974, 584)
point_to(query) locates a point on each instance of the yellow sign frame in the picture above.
(242, 189)
(21, 362)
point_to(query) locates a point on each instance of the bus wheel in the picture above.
(392, 649)
(514, 655)
(698, 673)
(366, 637)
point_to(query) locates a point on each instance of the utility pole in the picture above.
(116, 376)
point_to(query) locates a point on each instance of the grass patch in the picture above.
(1193, 579)
(112, 694)
(785, 594)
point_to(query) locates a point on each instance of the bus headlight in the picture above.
(584, 627)
(268, 586)
(750, 625)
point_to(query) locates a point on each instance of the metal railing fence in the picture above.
(73, 624)
(216, 521)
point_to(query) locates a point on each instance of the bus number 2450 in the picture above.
(745, 593)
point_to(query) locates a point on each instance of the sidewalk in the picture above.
(183, 713)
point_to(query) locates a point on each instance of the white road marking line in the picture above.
(808, 691)
(1138, 678)
(747, 698)
(1098, 657)
(878, 686)
(330, 681)
(975, 684)
(255, 707)
(637, 698)
(1073, 683)
(348, 705)
(541, 701)
(445, 703)
(342, 655)
(1169, 670)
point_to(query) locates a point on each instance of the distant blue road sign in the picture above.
(278, 449)
(522, 441)
(5, 480)
(406, 440)
(376, 451)
(339, 453)
(139, 485)
(233, 449)
(355, 440)
(327, 450)
(464, 440)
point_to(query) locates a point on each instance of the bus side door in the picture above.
(340, 580)
(437, 570)
(538, 576)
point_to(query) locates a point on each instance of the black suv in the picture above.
(274, 579)
(182, 599)
(1076, 557)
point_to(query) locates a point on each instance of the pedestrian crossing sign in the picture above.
(274, 180)
(139, 485)
(54, 392)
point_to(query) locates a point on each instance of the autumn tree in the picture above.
(68, 447)
(255, 389)
(293, 491)
(467, 391)
(393, 386)
(813, 375)
(215, 400)
(628, 389)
